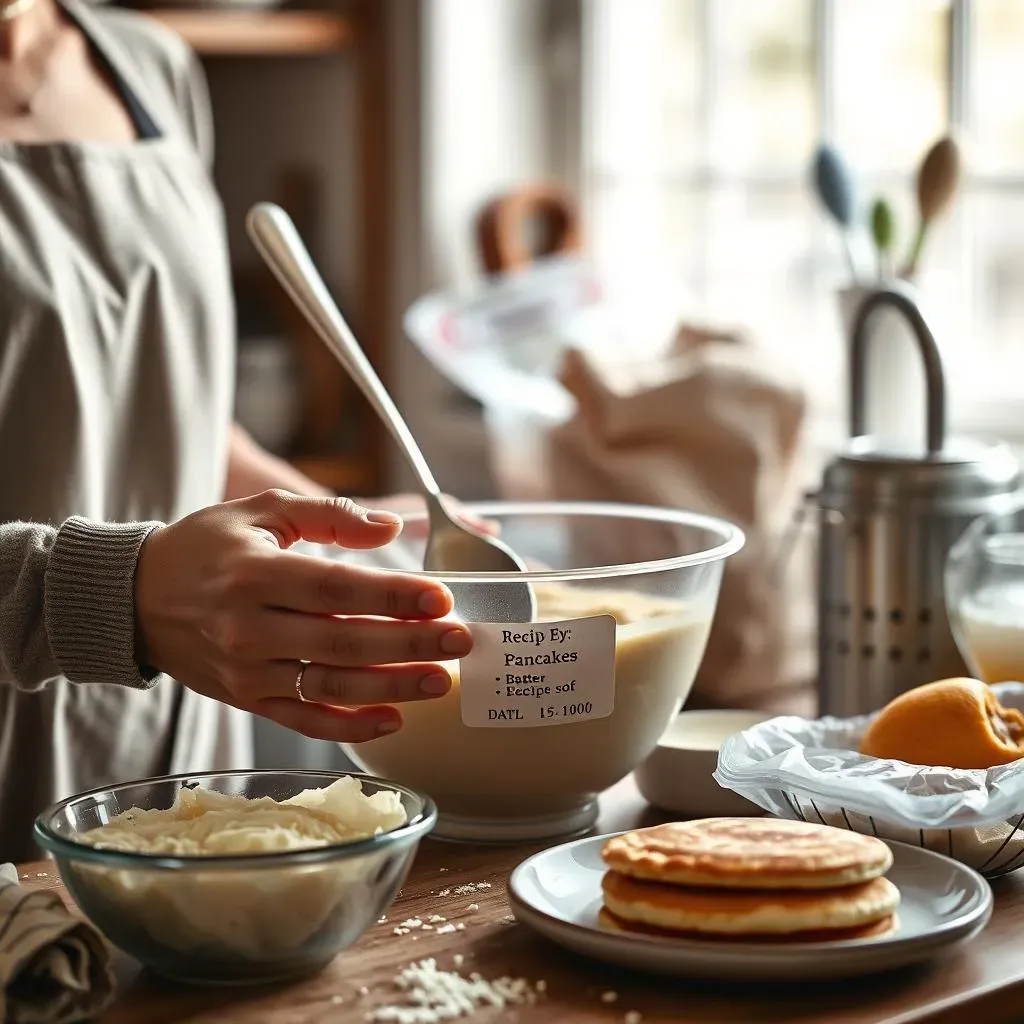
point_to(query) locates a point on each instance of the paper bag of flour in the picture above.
(713, 427)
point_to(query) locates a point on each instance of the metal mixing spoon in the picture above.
(452, 545)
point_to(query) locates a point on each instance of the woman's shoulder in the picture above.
(145, 42)
(162, 60)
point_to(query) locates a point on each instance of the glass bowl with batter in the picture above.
(543, 716)
(240, 877)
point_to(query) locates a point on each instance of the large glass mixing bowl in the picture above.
(984, 584)
(544, 716)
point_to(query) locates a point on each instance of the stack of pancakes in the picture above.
(755, 879)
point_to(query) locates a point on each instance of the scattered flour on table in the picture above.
(470, 887)
(432, 995)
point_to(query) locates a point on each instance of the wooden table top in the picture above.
(982, 981)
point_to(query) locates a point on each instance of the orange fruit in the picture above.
(955, 723)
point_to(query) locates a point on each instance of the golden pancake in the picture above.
(739, 912)
(606, 919)
(748, 853)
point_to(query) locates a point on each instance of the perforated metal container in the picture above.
(887, 520)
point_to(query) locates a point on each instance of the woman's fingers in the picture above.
(303, 583)
(318, 721)
(349, 642)
(322, 722)
(353, 687)
(289, 518)
(406, 505)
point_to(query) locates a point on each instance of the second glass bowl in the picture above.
(246, 919)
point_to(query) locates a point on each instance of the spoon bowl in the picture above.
(453, 546)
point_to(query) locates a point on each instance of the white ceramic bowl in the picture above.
(677, 776)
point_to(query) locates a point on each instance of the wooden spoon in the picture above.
(938, 178)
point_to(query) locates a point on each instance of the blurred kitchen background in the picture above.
(674, 141)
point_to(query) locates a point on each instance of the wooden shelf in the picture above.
(252, 33)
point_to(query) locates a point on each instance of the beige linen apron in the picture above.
(116, 386)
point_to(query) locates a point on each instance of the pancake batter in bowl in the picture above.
(500, 777)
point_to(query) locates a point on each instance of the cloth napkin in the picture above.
(715, 426)
(54, 968)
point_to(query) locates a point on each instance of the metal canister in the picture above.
(887, 522)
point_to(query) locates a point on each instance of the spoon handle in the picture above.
(277, 240)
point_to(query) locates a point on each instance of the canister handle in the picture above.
(900, 297)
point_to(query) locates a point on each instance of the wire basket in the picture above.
(812, 771)
(992, 850)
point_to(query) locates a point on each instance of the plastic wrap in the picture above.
(810, 770)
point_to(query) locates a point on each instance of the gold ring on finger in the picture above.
(303, 665)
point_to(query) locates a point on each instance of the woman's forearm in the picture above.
(67, 602)
(252, 470)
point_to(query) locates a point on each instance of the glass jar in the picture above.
(984, 586)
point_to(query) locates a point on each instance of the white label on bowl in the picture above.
(525, 674)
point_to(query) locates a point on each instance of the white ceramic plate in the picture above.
(558, 893)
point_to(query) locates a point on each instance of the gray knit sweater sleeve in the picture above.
(67, 602)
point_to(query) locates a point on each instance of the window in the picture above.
(703, 115)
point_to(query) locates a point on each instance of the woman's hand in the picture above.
(225, 608)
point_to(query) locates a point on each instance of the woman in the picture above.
(116, 362)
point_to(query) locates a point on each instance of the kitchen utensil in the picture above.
(888, 517)
(453, 547)
(893, 384)
(883, 234)
(527, 224)
(937, 180)
(557, 893)
(834, 183)
(247, 919)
